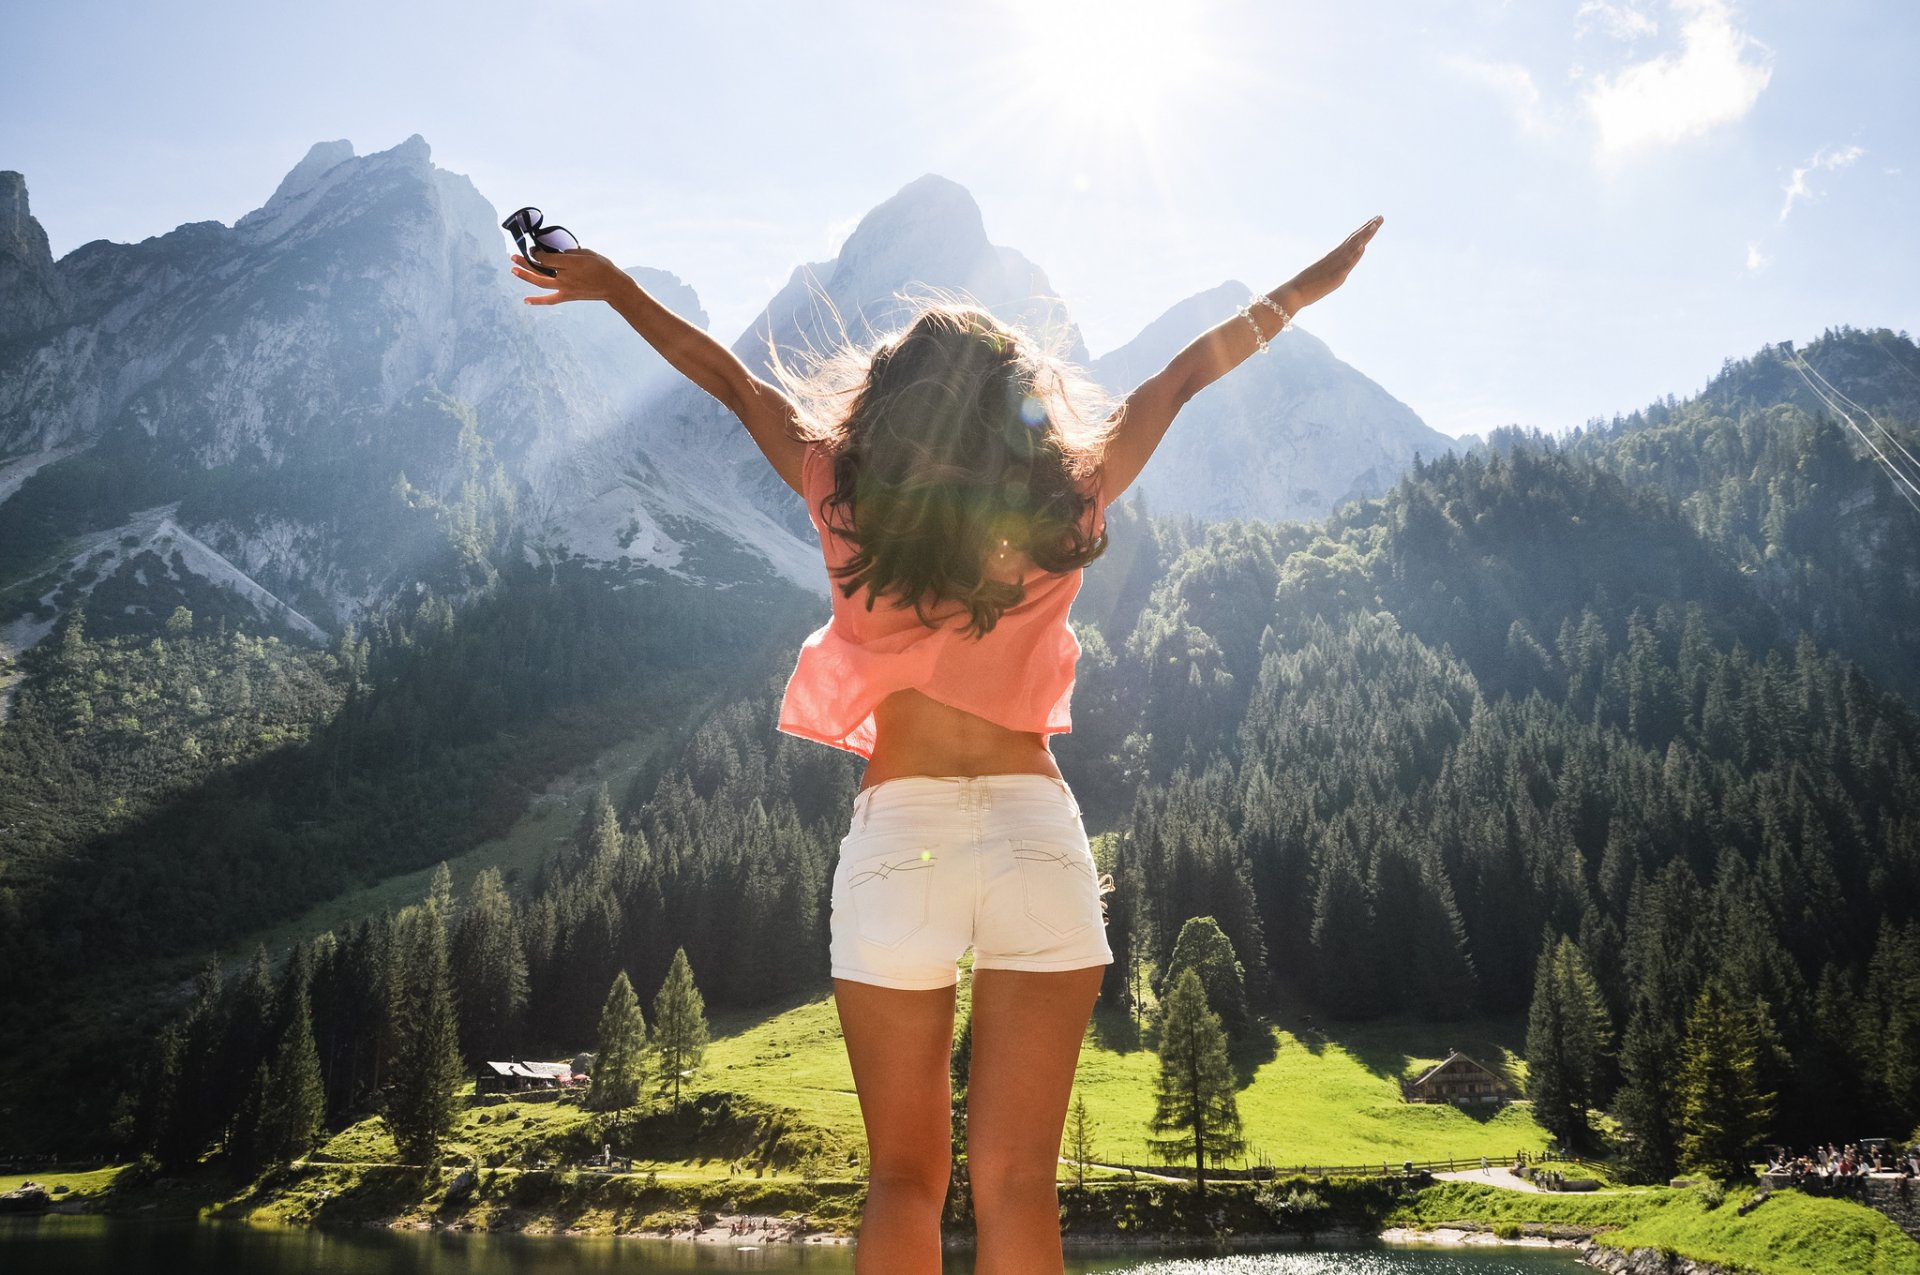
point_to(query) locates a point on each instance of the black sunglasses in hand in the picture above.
(527, 231)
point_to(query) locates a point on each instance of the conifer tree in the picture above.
(489, 971)
(249, 1035)
(296, 1099)
(1567, 1037)
(1081, 1128)
(619, 1059)
(424, 1071)
(1205, 949)
(440, 891)
(1195, 1110)
(187, 1114)
(1723, 1111)
(679, 1025)
(1343, 933)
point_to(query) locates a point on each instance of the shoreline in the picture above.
(1471, 1237)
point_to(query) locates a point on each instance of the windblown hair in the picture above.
(951, 440)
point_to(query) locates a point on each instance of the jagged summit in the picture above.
(320, 158)
(31, 295)
(928, 235)
(328, 167)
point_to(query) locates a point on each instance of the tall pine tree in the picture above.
(619, 1061)
(1567, 1037)
(424, 1071)
(489, 971)
(1195, 1110)
(679, 1025)
(1723, 1111)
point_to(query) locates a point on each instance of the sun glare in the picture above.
(1104, 68)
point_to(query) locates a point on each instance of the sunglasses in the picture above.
(527, 231)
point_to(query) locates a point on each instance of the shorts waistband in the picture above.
(966, 792)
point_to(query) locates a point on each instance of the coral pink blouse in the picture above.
(1019, 676)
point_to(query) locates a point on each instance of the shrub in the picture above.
(1507, 1230)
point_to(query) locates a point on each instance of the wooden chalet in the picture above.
(516, 1077)
(1460, 1081)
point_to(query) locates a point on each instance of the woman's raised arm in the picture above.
(584, 275)
(1142, 420)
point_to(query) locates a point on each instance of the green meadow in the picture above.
(1307, 1097)
(1786, 1234)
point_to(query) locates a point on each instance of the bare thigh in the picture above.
(1027, 1028)
(900, 1044)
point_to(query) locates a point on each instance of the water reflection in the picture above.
(101, 1246)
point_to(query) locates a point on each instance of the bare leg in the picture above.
(901, 1046)
(1027, 1029)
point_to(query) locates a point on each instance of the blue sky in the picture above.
(1589, 203)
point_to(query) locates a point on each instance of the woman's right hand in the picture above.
(1328, 273)
(580, 274)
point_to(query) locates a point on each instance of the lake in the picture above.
(104, 1246)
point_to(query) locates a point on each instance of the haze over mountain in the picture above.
(340, 396)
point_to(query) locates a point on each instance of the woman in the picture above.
(957, 483)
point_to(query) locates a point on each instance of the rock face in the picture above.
(29, 285)
(269, 384)
(1293, 433)
(1644, 1261)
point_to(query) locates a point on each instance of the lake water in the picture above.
(101, 1246)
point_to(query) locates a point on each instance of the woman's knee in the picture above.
(1010, 1179)
(912, 1181)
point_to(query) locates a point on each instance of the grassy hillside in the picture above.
(1305, 1098)
(1788, 1234)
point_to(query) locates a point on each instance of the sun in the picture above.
(1107, 69)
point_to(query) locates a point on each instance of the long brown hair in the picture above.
(952, 439)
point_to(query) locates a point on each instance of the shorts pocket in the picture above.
(890, 895)
(1057, 881)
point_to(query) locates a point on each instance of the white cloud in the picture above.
(1757, 260)
(1797, 188)
(1514, 84)
(1714, 79)
(1622, 21)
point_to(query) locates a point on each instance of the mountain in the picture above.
(340, 398)
(1293, 433)
(927, 239)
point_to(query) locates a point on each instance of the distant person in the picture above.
(957, 476)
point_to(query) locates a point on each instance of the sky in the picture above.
(1589, 203)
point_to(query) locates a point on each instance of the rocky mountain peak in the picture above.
(34, 296)
(320, 158)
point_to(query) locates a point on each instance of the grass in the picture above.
(79, 1183)
(1470, 1204)
(1787, 1234)
(1310, 1098)
(1305, 1098)
(550, 819)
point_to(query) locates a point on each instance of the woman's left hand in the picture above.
(579, 275)
(1328, 273)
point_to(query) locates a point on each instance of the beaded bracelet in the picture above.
(1286, 320)
(1260, 338)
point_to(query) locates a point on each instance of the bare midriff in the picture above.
(915, 735)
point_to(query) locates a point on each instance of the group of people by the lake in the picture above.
(1834, 1162)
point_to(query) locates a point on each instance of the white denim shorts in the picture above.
(933, 866)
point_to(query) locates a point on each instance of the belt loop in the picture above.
(866, 807)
